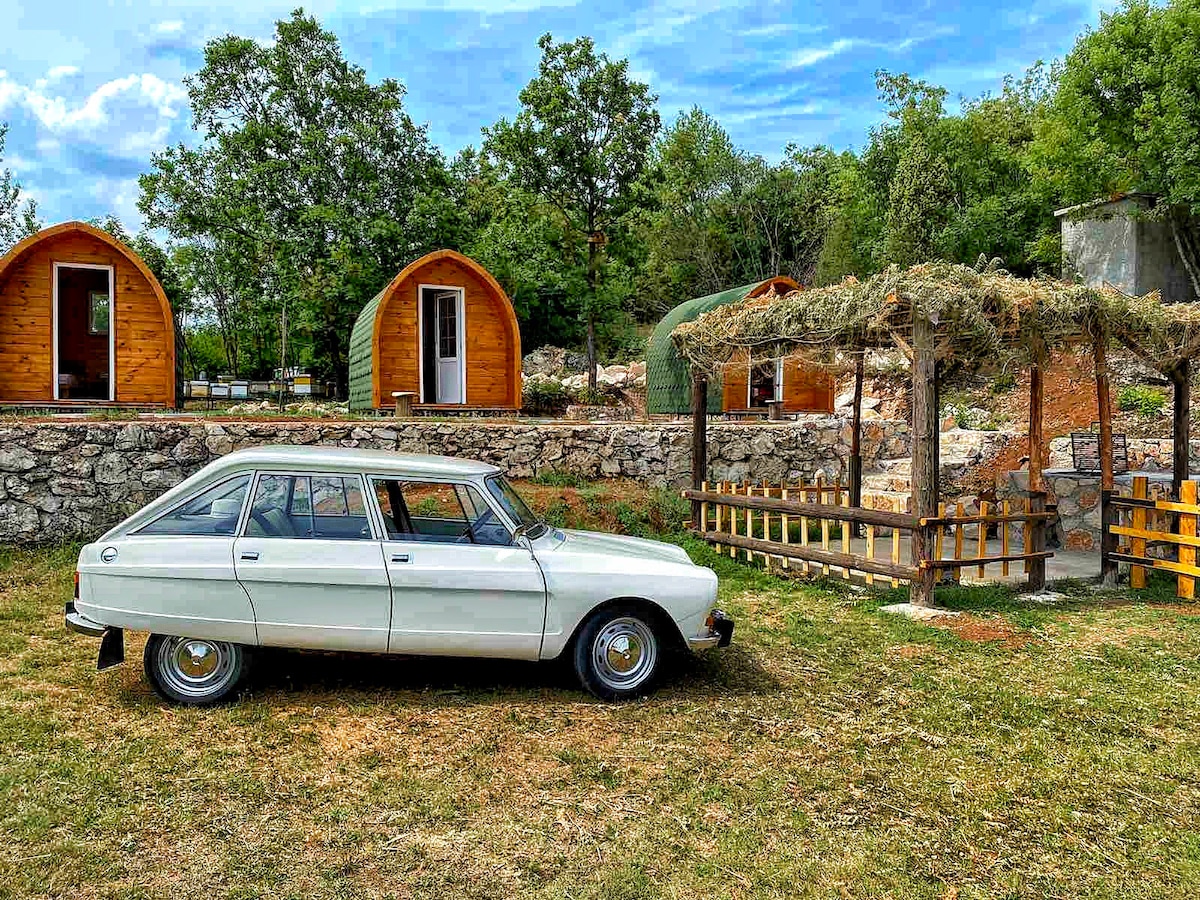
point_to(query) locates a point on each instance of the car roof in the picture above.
(352, 459)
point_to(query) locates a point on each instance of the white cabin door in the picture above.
(449, 349)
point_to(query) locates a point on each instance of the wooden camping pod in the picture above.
(391, 343)
(51, 352)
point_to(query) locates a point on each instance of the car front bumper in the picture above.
(719, 632)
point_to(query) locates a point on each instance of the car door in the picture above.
(312, 564)
(174, 575)
(459, 586)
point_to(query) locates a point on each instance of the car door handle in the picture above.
(401, 558)
(251, 555)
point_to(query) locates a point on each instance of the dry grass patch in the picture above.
(833, 751)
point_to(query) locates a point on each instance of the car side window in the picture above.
(213, 512)
(437, 512)
(328, 507)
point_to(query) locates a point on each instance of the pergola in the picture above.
(940, 315)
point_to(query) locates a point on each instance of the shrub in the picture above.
(1147, 402)
(559, 478)
(544, 398)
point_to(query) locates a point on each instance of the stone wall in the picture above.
(74, 480)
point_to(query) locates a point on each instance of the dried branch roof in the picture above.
(983, 316)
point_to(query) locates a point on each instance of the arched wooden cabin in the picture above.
(444, 330)
(746, 384)
(83, 320)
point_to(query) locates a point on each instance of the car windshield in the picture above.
(515, 506)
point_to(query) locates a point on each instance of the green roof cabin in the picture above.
(442, 330)
(747, 383)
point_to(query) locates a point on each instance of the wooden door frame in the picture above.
(460, 323)
(112, 328)
(778, 360)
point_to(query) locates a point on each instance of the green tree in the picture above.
(17, 220)
(917, 199)
(1126, 116)
(579, 144)
(312, 183)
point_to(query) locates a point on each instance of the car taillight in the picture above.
(76, 584)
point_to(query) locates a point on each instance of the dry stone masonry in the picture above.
(71, 480)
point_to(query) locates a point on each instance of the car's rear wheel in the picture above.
(619, 653)
(193, 671)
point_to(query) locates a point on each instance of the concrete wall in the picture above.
(1118, 243)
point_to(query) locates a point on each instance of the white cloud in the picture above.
(59, 114)
(810, 56)
(58, 72)
(781, 28)
(172, 27)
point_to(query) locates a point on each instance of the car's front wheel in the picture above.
(619, 653)
(193, 671)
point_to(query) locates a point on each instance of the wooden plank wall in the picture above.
(143, 369)
(492, 379)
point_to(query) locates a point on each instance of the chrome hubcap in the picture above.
(195, 667)
(624, 653)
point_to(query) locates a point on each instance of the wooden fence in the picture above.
(1149, 522)
(813, 528)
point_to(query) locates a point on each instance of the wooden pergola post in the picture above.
(1037, 490)
(856, 441)
(1180, 375)
(1108, 541)
(924, 457)
(699, 438)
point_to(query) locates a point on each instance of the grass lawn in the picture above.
(833, 751)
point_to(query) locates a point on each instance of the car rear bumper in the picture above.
(719, 632)
(76, 621)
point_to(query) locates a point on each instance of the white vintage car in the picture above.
(336, 549)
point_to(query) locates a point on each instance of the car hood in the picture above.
(620, 545)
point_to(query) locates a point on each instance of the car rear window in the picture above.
(215, 511)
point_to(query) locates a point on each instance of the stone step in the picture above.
(887, 481)
(886, 500)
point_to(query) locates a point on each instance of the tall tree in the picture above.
(17, 220)
(1126, 116)
(313, 182)
(579, 143)
(917, 200)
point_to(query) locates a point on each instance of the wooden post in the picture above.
(1186, 585)
(1036, 393)
(1181, 431)
(1037, 541)
(856, 440)
(1108, 541)
(699, 436)
(1137, 546)
(924, 456)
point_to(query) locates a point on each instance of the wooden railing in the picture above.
(811, 527)
(1149, 522)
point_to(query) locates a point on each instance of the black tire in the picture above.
(194, 671)
(619, 653)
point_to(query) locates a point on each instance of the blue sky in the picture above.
(91, 90)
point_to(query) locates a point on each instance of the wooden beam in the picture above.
(808, 510)
(856, 437)
(699, 436)
(1180, 376)
(812, 554)
(1108, 541)
(924, 454)
(1036, 440)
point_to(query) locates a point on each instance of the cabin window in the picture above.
(766, 382)
(98, 312)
